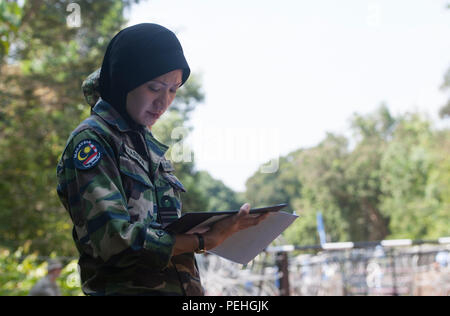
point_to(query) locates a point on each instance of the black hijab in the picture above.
(138, 54)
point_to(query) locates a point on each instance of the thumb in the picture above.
(245, 209)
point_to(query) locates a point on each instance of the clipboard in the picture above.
(192, 222)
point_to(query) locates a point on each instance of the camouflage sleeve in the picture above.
(96, 201)
(90, 88)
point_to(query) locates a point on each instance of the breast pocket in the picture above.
(138, 189)
(169, 190)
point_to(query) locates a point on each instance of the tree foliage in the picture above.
(415, 167)
(43, 64)
(10, 15)
(390, 180)
(445, 110)
(21, 270)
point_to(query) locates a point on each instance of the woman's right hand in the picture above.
(230, 225)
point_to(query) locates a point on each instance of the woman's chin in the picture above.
(149, 122)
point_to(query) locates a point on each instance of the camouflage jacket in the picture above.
(119, 200)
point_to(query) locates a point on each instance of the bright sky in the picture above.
(280, 74)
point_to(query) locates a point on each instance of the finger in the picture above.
(260, 218)
(263, 217)
(245, 207)
(244, 211)
(250, 219)
(248, 222)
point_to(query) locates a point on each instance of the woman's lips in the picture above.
(156, 115)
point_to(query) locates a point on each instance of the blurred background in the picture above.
(340, 109)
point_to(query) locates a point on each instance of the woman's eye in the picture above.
(158, 89)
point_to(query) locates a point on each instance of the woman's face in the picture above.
(149, 101)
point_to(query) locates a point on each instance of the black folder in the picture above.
(192, 219)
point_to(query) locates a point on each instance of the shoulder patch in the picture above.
(87, 154)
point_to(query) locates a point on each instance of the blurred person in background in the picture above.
(47, 285)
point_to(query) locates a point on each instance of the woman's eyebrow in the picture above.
(165, 84)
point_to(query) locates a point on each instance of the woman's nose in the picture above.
(162, 102)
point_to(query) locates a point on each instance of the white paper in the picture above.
(245, 245)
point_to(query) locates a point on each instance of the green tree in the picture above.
(282, 186)
(438, 188)
(22, 270)
(391, 182)
(445, 110)
(363, 175)
(414, 167)
(10, 16)
(308, 180)
(220, 197)
(41, 102)
(323, 189)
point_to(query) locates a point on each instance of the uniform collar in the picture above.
(157, 149)
(112, 117)
(154, 145)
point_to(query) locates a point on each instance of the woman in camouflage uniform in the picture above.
(116, 184)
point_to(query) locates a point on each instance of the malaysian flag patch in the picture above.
(87, 154)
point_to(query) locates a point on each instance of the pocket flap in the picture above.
(130, 169)
(173, 181)
(166, 165)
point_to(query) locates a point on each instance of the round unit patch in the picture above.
(87, 154)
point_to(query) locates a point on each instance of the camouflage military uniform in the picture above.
(118, 200)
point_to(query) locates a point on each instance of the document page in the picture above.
(245, 245)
